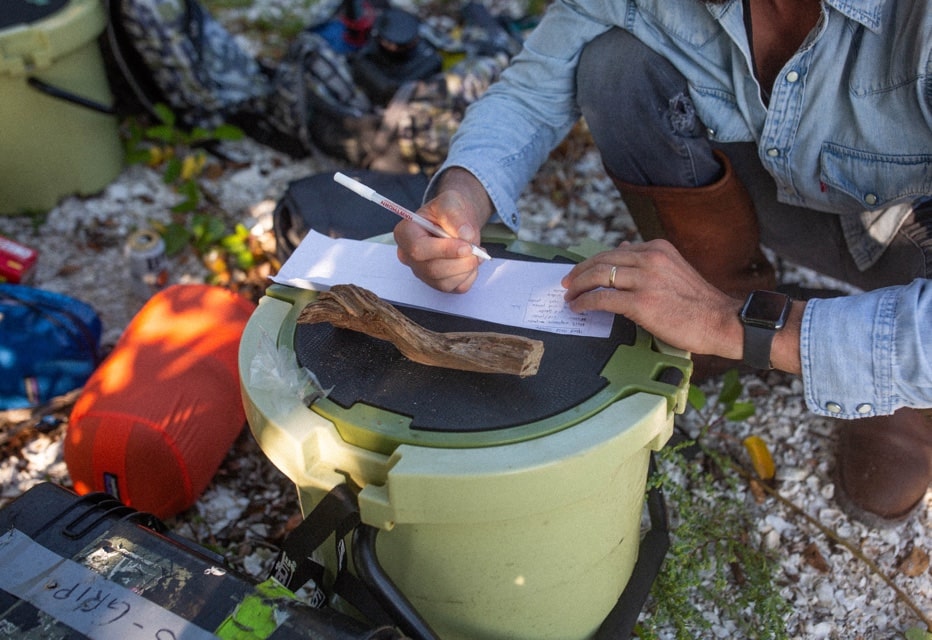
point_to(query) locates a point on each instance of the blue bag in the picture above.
(49, 345)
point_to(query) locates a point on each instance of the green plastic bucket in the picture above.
(52, 146)
(525, 531)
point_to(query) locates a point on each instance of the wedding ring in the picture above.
(611, 278)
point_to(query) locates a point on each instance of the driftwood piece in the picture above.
(351, 307)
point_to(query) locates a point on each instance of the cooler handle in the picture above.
(372, 593)
(67, 96)
(381, 586)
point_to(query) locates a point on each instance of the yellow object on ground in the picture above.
(760, 456)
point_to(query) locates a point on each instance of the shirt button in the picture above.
(773, 152)
(864, 407)
(792, 76)
(514, 218)
(710, 132)
(871, 198)
(833, 407)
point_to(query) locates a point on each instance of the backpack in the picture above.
(315, 102)
(176, 53)
(49, 345)
(317, 202)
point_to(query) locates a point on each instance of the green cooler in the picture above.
(55, 139)
(506, 507)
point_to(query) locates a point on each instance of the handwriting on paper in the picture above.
(516, 293)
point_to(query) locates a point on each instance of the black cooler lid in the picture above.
(17, 12)
(380, 398)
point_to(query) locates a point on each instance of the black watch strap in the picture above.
(757, 345)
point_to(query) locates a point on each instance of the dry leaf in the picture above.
(814, 558)
(914, 564)
(757, 491)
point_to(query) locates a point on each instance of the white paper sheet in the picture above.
(511, 292)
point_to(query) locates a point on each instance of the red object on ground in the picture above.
(15, 260)
(157, 417)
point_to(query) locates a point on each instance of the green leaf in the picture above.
(172, 170)
(185, 206)
(208, 231)
(189, 188)
(199, 134)
(696, 397)
(739, 411)
(137, 156)
(228, 132)
(244, 259)
(161, 132)
(233, 244)
(134, 135)
(192, 196)
(164, 114)
(731, 388)
(918, 633)
(176, 237)
(240, 232)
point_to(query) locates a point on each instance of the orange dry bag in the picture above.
(157, 417)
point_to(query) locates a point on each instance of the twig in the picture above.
(15, 421)
(832, 535)
(352, 307)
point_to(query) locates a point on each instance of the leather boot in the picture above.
(883, 465)
(715, 228)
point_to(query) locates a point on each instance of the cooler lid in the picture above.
(380, 399)
(34, 34)
(17, 12)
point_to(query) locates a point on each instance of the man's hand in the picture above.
(461, 208)
(655, 287)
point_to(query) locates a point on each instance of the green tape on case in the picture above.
(257, 616)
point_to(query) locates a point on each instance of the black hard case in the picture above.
(192, 582)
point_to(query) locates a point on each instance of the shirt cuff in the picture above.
(504, 209)
(847, 345)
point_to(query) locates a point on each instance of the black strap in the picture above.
(68, 96)
(758, 342)
(375, 595)
(336, 514)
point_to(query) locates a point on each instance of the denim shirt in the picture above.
(869, 354)
(847, 129)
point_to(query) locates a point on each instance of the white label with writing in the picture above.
(83, 599)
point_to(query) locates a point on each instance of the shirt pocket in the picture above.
(870, 181)
(689, 23)
(719, 112)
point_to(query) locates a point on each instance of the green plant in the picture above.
(221, 250)
(179, 153)
(181, 156)
(715, 563)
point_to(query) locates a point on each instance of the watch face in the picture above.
(766, 309)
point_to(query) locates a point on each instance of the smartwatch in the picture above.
(763, 314)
